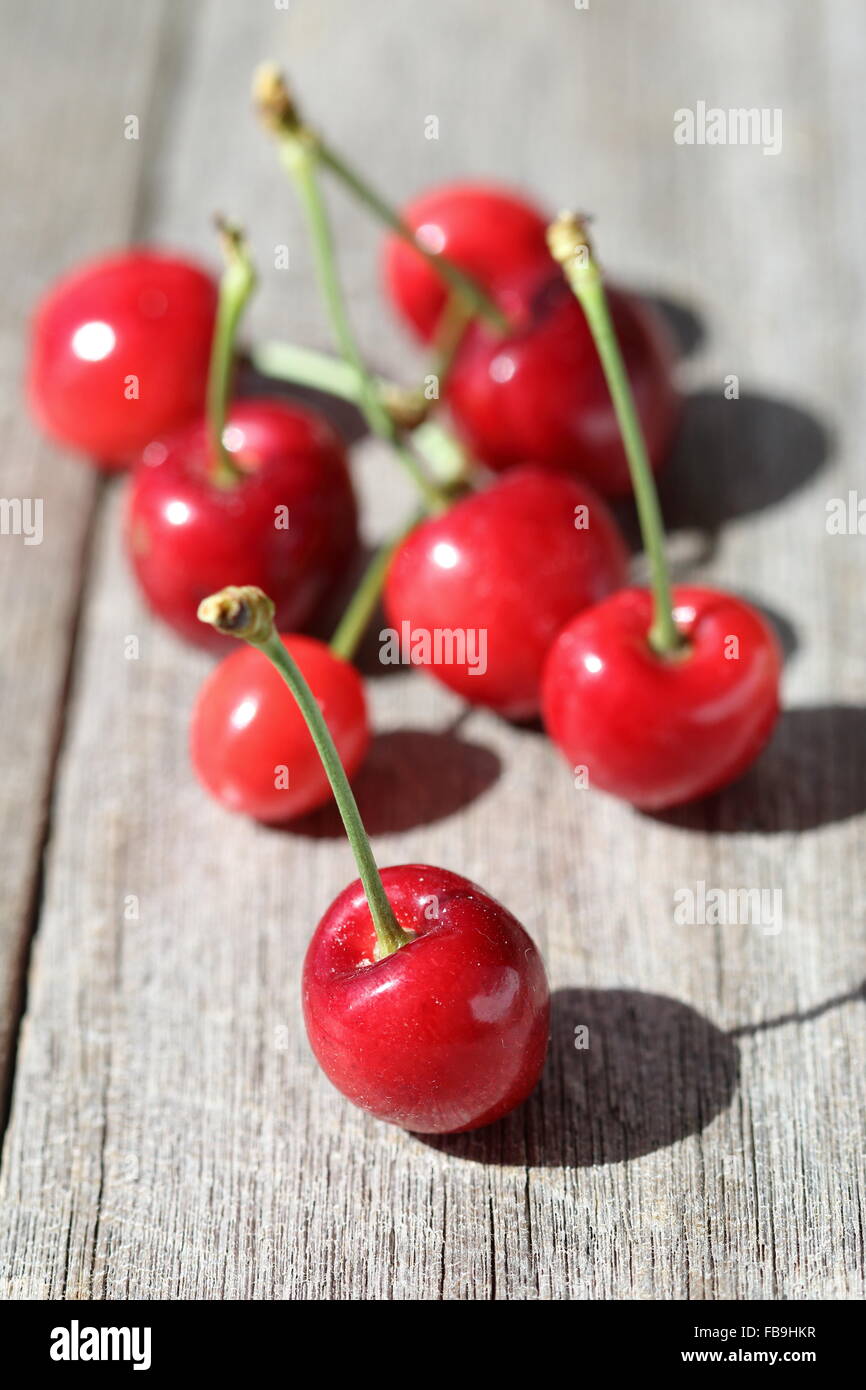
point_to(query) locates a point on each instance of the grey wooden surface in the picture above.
(168, 1133)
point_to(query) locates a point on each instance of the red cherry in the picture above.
(490, 233)
(446, 1034)
(508, 566)
(245, 731)
(539, 393)
(288, 525)
(120, 352)
(659, 731)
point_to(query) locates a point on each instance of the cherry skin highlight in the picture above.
(288, 525)
(539, 393)
(119, 353)
(660, 731)
(507, 567)
(245, 731)
(446, 1034)
(490, 233)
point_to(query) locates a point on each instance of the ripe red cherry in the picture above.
(538, 392)
(119, 353)
(247, 739)
(490, 233)
(508, 566)
(446, 1034)
(186, 535)
(660, 731)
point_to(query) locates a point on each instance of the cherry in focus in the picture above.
(663, 730)
(119, 353)
(446, 1034)
(538, 393)
(490, 233)
(504, 569)
(287, 524)
(249, 744)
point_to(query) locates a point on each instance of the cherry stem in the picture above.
(375, 413)
(362, 605)
(447, 457)
(248, 613)
(570, 246)
(236, 286)
(304, 366)
(300, 155)
(450, 331)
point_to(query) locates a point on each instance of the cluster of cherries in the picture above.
(425, 1001)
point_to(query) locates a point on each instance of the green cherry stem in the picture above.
(451, 329)
(236, 286)
(570, 246)
(248, 613)
(362, 605)
(450, 462)
(304, 366)
(301, 163)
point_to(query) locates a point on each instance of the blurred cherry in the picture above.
(119, 353)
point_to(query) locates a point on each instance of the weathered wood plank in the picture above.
(170, 1135)
(62, 126)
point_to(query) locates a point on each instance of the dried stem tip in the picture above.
(568, 238)
(242, 611)
(407, 408)
(230, 234)
(273, 101)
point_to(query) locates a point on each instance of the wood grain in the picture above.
(55, 213)
(170, 1136)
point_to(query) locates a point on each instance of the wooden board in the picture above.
(169, 1135)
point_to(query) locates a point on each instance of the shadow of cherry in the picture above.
(784, 629)
(812, 773)
(627, 1073)
(686, 327)
(736, 457)
(410, 777)
(731, 458)
(643, 1072)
